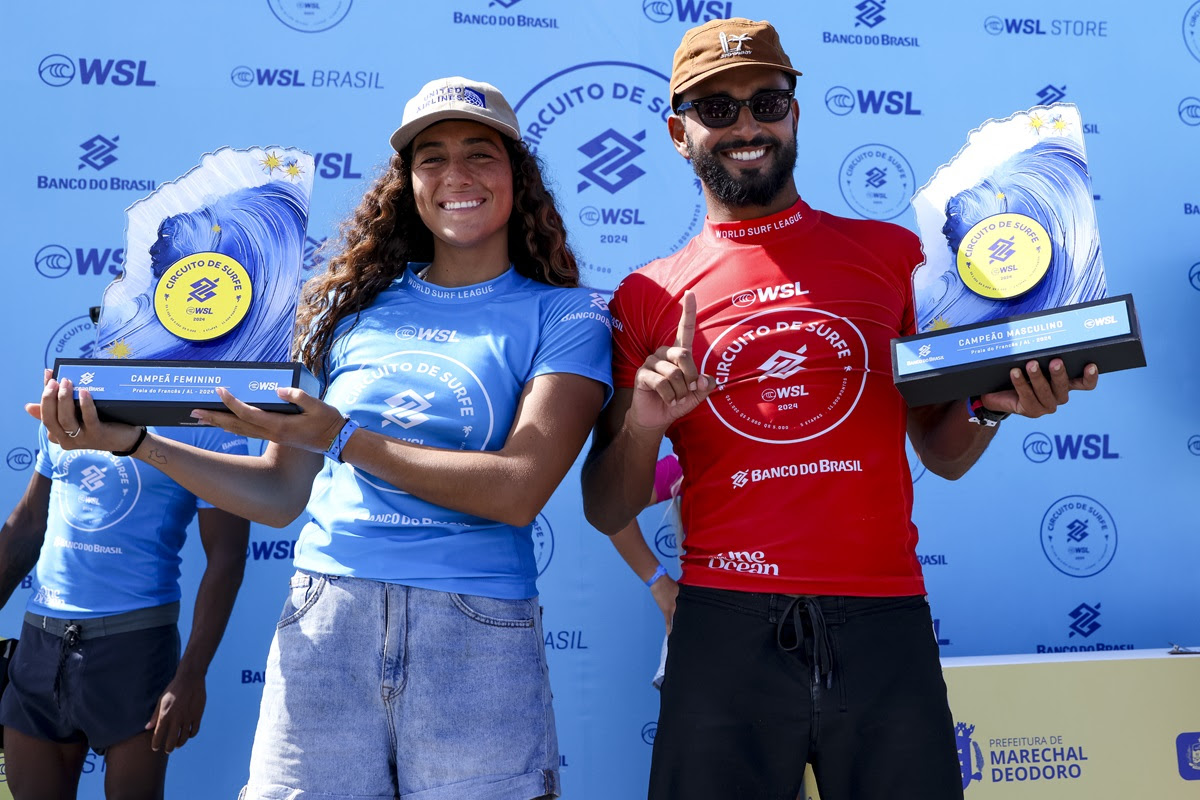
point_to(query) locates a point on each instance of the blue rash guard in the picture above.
(443, 368)
(115, 528)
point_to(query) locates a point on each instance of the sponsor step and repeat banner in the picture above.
(1076, 533)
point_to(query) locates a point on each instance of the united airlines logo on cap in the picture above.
(450, 94)
(473, 97)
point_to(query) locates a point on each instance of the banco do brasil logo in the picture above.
(870, 13)
(626, 199)
(98, 152)
(876, 181)
(1051, 94)
(310, 16)
(1079, 536)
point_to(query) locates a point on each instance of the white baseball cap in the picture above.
(455, 98)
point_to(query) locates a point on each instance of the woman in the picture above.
(462, 376)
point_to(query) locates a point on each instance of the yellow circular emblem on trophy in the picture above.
(203, 296)
(1004, 256)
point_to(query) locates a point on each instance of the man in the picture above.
(801, 630)
(98, 663)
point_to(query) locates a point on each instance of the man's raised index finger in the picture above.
(687, 321)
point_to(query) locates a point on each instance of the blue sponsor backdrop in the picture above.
(1075, 531)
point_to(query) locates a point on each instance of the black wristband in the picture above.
(981, 415)
(126, 453)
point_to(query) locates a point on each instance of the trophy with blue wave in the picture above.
(214, 265)
(1012, 270)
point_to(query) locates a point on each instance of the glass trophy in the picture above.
(1013, 270)
(214, 265)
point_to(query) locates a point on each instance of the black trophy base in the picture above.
(164, 393)
(956, 363)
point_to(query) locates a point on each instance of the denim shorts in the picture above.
(377, 690)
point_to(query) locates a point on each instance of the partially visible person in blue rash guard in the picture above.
(98, 662)
(462, 371)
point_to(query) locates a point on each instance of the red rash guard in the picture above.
(795, 473)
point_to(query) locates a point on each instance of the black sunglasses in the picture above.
(721, 111)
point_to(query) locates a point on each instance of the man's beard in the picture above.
(756, 187)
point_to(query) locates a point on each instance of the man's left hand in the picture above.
(176, 718)
(1033, 395)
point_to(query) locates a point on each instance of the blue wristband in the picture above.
(335, 447)
(658, 573)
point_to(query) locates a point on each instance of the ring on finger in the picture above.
(74, 433)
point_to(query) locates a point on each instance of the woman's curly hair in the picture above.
(385, 234)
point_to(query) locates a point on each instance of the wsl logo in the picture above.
(310, 16)
(76, 338)
(666, 541)
(1051, 94)
(593, 120)
(692, 11)
(19, 459)
(1189, 111)
(59, 70)
(1079, 536)
(1193, 445)
(1040, 448)
(868, 15)
(335, 165)
(649, 731)
(876, 181)
(1194, 276)
(244, 76)
(98, 152)
(55, 261)
(895, 102)
(543, 543)
(1068, 28)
